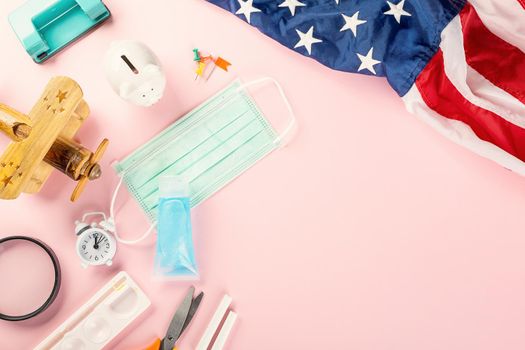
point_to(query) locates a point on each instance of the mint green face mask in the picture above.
(209, 147)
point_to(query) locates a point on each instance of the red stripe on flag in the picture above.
(440, 94)
(494, 58)
(522, 3)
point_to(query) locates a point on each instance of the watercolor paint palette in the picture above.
(102, 318)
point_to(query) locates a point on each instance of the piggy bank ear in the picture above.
(125, 90)
(151, 69)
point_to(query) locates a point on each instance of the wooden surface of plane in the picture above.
(43, 170)
(49, 117)
(14, 124)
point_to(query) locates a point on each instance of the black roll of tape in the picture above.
(56, 284)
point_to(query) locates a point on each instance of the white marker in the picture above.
(205, 341)
(225, 331)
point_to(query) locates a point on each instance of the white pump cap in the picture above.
(173, 186)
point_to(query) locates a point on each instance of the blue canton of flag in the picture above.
(385, 38)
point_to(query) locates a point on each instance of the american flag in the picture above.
(458, 65)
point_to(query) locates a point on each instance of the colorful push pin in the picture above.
(202, 64)
(222, 63)
(200, 70)
(196, 56)
(206, 58)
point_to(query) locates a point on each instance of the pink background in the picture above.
(370, 231)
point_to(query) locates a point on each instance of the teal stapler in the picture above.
(46, 26)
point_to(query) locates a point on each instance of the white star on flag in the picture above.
(291, 4)
(337, 2)
(307, 39)
(397, 10)
(352, 22)
(246, 9)
(368, 62)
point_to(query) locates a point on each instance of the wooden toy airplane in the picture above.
(43, 141)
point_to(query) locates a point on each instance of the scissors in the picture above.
(180, 321)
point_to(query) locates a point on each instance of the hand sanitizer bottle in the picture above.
(175, 257)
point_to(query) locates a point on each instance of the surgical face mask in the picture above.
(208, 147)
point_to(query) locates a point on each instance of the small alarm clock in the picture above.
(95, 244)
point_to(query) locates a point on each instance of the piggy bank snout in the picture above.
(149, 93)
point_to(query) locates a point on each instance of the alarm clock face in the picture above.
(96, 247)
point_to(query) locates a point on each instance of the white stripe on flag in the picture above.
(484, 89)
(475, 88)
(460, 132)
(505, 18)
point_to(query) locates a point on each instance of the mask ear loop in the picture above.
(292, 124)
(112, 220)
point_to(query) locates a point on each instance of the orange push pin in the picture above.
(222, 63)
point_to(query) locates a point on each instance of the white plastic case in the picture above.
(101, 319)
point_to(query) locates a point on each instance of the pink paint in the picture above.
(368, 232)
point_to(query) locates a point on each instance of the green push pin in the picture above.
(196, 56)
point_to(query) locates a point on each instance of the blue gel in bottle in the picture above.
(175, 256)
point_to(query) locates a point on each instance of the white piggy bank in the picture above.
(134, 72)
